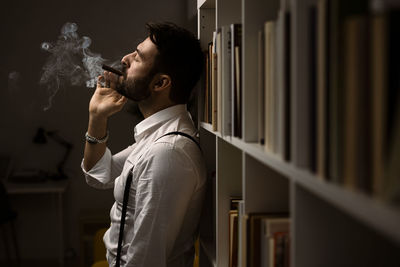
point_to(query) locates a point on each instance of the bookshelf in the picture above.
(302, 173)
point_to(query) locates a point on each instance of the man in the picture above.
(168, 172)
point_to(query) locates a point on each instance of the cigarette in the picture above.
(111, 69)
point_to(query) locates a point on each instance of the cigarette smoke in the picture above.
(70, 62)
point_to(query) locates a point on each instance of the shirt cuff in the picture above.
(99, 175)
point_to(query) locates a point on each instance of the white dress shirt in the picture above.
(165, 197)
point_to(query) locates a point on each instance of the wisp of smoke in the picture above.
(70, 62)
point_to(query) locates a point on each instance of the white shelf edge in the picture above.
(200, 3)
(208, 127)
(205, 4)
(257, 151)
(376, 214)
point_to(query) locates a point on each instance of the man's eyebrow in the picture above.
(139, 53)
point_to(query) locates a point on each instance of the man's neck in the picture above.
(148, 109)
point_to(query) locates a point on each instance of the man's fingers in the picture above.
(122, 100)
(108, 87)
(112, 85)
(111, 79)
(100, 81)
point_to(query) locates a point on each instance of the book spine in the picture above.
(214, 84)
(226, 80)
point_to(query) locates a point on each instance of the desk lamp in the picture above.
(41, 138)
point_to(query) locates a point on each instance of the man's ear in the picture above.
(162, 81)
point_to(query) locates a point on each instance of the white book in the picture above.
(219, 81)
(226, 58)
(214, 84)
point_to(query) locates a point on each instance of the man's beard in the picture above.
(136, 89)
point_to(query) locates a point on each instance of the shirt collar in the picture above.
(145, 127)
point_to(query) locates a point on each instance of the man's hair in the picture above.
(179, 56)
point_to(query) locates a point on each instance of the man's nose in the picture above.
(125, 62)
(124, 65)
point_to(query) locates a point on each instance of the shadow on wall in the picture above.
(114, 28)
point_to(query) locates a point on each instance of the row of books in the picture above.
(274, 77)
(223, 85)
(222, 105)
(353, 94)
(264, 238)
(349, 107)
(350, 103)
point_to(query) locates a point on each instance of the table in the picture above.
(47, 187)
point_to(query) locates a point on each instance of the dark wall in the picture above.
(115, 28)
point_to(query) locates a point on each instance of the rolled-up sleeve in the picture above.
(165, 186)
(109, 167)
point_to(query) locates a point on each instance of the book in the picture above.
(235, 203)
(355, 164)
(276, 89)
(303, 93)
(242, 225)
(269, 83)
(339, 11)
(282, 116)
(260, 228)
(254, 241)
(219, 80)
(214, 84)
(226, 61)
(322, 89)
(391, 187)
(281, 249)
(233, 238)
(311, 109)
(379, 73)
(392, 93)
(206, 87)
(210, 81)
(334, 172)
(269, 227)
(261, 91)
(236, 44)
(279, 88)
(386, 99)
(287, 85)
(238, 92)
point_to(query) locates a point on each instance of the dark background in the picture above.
(115, 28)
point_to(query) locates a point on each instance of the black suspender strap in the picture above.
(123, 215)
(182, 134)
(126, 197)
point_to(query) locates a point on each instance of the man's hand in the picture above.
(106, 101)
